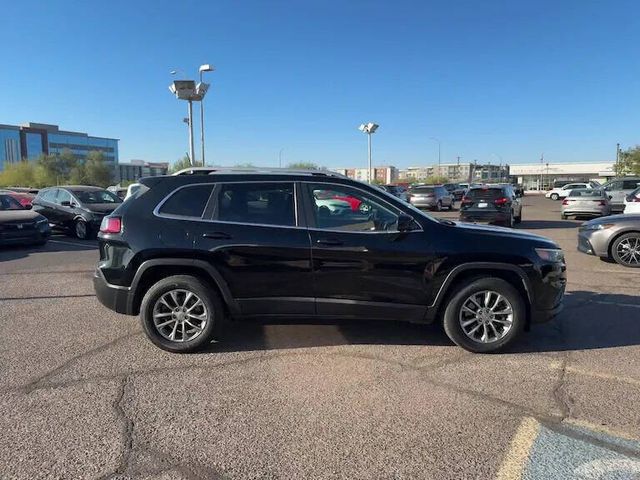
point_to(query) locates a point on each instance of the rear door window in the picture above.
(189, 201)
(269, 203)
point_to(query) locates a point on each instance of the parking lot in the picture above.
(83, 394)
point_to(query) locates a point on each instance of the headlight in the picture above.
(554, 255)
(597, 226)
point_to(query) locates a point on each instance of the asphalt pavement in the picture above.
(83, 394)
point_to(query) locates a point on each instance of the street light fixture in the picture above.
(203, 68)
(191, 92)
(369, 129)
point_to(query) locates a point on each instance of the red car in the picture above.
(24, 199)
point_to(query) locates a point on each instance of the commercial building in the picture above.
(384, 174)
(29, 141)
(136, 169)
(540, 176)
(458, 172)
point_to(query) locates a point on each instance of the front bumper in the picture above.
(17, 237)
(114, 297)
(594, 242)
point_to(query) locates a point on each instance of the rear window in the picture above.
(630, 184)
(188, 201)
(485, 193)
(422, 190)
(585, 192)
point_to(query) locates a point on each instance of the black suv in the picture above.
(497, 204)
(189, 252)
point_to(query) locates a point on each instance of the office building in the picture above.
(29, 141)
(458, 172)
(136, 169)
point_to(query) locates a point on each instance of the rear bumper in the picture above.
(475, 216)
(423, 202)
(114, 297)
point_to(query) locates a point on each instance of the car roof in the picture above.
(80, 188)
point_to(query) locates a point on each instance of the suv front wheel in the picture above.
(484, 315)
(181, 314)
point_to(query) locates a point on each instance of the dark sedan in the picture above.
(19, 225)
(77, 209)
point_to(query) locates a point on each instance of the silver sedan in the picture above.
(585, 202)
(616, 237)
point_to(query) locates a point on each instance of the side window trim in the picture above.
(158, 213)
(308, 194)
(214, 205)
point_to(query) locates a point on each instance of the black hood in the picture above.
(504, 233)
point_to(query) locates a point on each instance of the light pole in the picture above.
(439, 148)
(186, 90)
(369, 129)
(203, 68)
(280, 158)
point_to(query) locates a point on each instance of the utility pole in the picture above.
(541, 171)
(458, 169)
(617, 167)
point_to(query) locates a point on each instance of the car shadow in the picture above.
(589, 321)
(547, 224)
(55, 244)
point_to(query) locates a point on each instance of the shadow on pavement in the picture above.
(55, 244)
(588, 321)
(547, 224)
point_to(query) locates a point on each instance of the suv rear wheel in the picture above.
(181, 314)
(484, 315)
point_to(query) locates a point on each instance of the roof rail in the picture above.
(256, 170)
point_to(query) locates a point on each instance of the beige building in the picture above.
(384, 174)
(540, 176)
(458, 172)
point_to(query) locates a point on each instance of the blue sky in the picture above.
(493, 78)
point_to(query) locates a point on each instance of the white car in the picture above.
(632, 202)
(562, 192)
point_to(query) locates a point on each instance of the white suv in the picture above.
(562, 192)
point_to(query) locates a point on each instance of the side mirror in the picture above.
(65, 203)
(405, 223)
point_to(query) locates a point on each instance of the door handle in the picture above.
(217, 235)
(331, 242)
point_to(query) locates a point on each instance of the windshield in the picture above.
(9, 203)
(96, 196)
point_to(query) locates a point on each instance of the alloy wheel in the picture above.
(486, 316)
(81, 230)
(180, 315)
(628, 251)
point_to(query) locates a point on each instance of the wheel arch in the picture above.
(464, 273)
(150, 271)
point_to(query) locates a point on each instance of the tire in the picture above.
(452, 206)
(81, 229)
(454, 315)
(211, 311)
(555, 196)
(510, 223)
(518, 219)
(439, 206)
(564, 217)
(622, 248)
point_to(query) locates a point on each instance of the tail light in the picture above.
(602, 203)
(111, 225)
(565, 202)
(466, 201)
(501, 201)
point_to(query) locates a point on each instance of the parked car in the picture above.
(29, 190)
(492, 204)
(632, 202)
(585, 202)
(396, 190)
(20, 225)
(616, 237)
(120, 192)
(459, 192)
(78, 209)
(131, 190)
(188, 253)
(434, 197)
(561, 192)
(519, 189)
(618, 189)
(23, 198)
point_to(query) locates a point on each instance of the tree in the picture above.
(96, 171)
(180, 164)
(304, 166)
(21, 174)
(629, 162)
